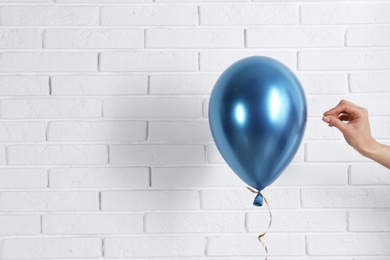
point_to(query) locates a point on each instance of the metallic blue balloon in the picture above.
(257, 116)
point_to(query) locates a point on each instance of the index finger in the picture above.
(343, 107)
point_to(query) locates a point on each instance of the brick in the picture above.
(362, 59)
(11, 131)
(194, 177)
(369, 221)
(254, 14)
(377, 105)
(277, 37)
(324, 83)
(200, 38)
(49, 15)
(20, 85)
(93, 38)
(20, 201)
(197, 1)
(99, 85)
(48, 62)
(318, 105)
(369, 174)
(25, 1)
(11, 178)
(305, 175)
(350, 13)
(20, 38)
(182, 84)
(370, 82)
(149, 200)
(206, 107)
(40, 248)
(160, 15)
(380, 127)
(113, 131)
(299, 155)
(195, 222)
(162, 247)
(293, 245)
(157, 154)
(243, 199)
(180, 131)
(289, 221)
(345, 197)
(121, 177)
(3, 156)
(57, 154)
(51, 108)
(219, 61)
(148, 61)
(348, 244)
(214, 156)
(316, 129)
(104, 1)
(153, 107)
(87, 224)
(11, 225)
(368, 36)
(332, 152)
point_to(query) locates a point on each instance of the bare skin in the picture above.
(353, 123)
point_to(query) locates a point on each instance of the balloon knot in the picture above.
(258, 200)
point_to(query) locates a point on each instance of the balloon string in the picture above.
(269, 224)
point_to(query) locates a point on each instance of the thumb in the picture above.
(336, 122)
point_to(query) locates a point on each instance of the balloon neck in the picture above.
(258, 200)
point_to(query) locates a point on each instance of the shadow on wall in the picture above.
(161, 149)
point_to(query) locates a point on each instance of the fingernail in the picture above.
(326, 119)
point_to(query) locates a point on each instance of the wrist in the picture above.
(370, 149)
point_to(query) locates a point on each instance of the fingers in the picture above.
(341, 115)
(345, 107)
(336, 122)
(345, 117)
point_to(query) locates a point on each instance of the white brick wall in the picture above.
(40, 62)
(105, 149)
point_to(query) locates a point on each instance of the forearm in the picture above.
(378, 152)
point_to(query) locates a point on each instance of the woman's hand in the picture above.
(353, 123)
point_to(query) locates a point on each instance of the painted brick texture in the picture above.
(105, 147)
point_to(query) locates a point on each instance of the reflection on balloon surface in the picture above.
(240, 114)
(274, 104)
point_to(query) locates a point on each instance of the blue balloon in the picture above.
(257, 116)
